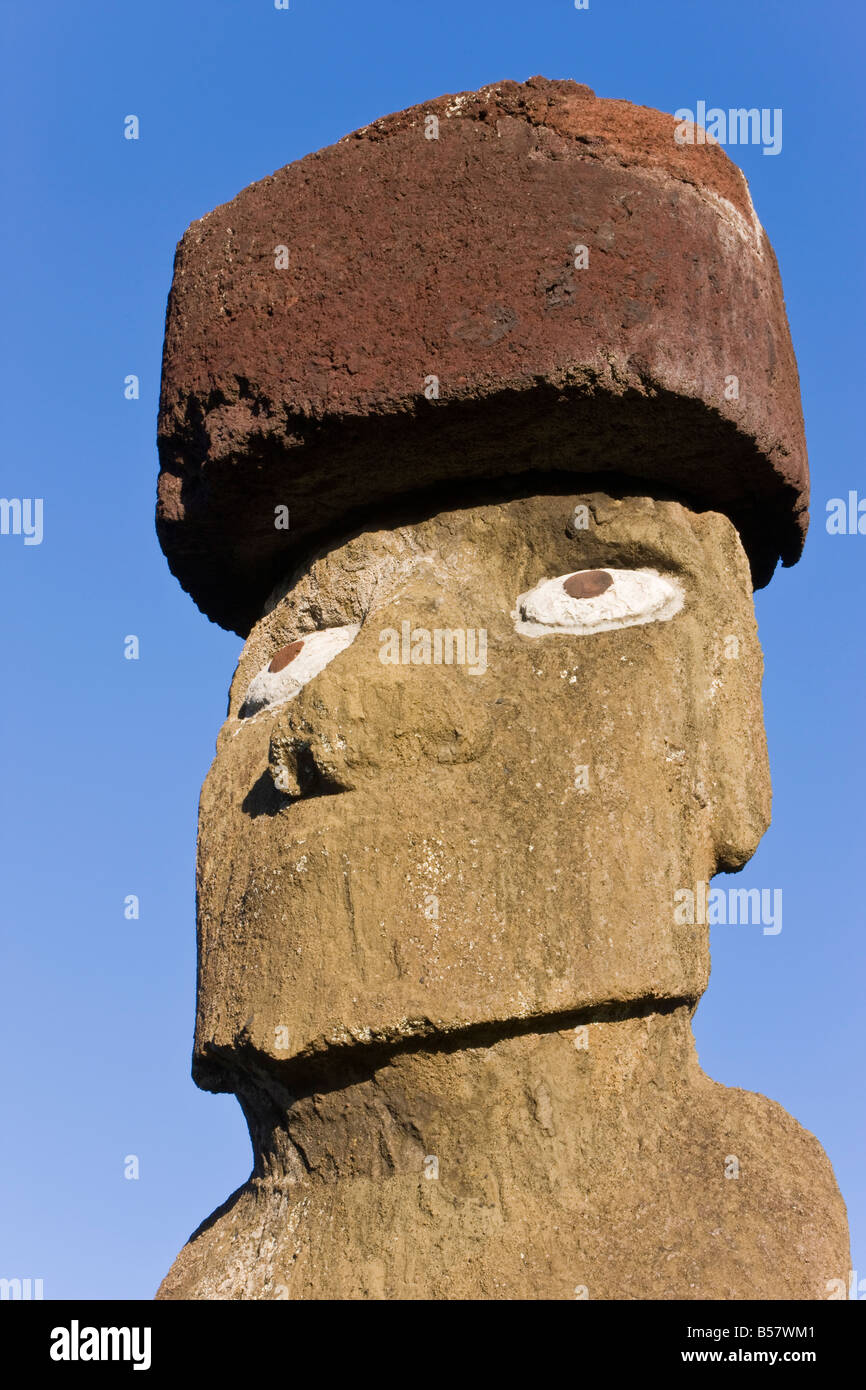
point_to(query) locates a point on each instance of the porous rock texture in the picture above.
(513, 369)
(440, 867)
(303, 378)
(593, 1160)
(444, 976)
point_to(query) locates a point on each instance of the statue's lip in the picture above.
(353, 1044)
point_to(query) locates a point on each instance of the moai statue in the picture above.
(481, 426)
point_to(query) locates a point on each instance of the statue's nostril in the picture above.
(301, 768)
(281, 659)
(589, 584)
(283, 762)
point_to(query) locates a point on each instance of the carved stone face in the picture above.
(394, 844)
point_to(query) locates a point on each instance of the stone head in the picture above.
(467, 795)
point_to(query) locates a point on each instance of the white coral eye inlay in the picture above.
(292, 667)
(597, 601)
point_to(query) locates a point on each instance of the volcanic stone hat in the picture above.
(524, 283)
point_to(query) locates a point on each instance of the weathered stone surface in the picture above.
(440, 959)
(411, 258)
(592, 1160)
(486, 730)
(437, 866)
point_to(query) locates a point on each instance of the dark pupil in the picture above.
(587, 585)
(281, 659)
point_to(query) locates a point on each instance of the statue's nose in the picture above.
(306, 765)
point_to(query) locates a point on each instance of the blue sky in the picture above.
(103, 757)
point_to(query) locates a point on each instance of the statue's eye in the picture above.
(597, 601)
(290, 668)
